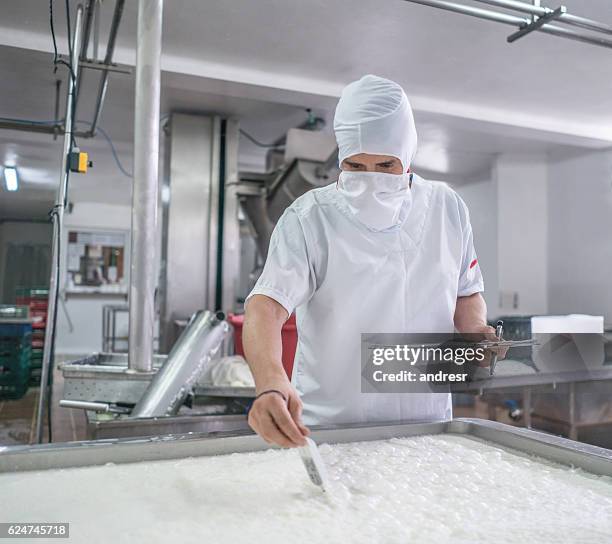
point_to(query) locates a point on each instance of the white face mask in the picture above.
(379, 201)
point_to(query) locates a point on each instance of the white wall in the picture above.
(481, 199)
(85, 311)
(580, 232)
(522, 233)
(509, 216)
(543, 229)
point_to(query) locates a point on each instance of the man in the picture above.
(382, 250)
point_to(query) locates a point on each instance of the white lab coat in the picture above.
(343, 279)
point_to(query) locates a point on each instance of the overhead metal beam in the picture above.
(28, 126)
(104, 67)
(108, 59)
(89, 13)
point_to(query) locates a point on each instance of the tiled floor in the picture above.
(17, 419)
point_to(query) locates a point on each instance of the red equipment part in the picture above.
(288, 335)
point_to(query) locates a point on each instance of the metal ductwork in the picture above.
(311, 161)
(200, 341)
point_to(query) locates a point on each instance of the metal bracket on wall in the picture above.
(93, 65)
(537, 23)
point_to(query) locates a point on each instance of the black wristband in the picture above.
(267, 391)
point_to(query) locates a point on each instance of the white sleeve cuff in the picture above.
(274, 294)
(477, 287)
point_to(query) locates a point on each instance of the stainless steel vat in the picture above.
(76, 454)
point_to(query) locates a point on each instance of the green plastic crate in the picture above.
(12, 311)
(14, 377)
(13, 350)
(32, 292)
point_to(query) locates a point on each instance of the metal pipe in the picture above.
(475, 12)
(576, 36)
(517, 5)
(58, 220)
(103, 407)
(96, 34)
(566, 18)
(256, 210)
(512, 20)
(94, 406)
(200, 341)
(110, 49)
(58, 86)
(28, 126)
(89, 12)
(588, 24)
(144, 191)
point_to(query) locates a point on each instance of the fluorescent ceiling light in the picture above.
(10, 178)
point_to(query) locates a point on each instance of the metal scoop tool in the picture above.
(314, 464)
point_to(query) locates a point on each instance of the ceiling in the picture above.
(264, 62)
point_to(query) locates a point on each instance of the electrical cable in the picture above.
(49, 385)
(102, 131)
(68, 31)
(56, 59)
(257, 142)
(112, 148)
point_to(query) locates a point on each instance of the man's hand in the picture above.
(278, 421)
(486, 332)
(471, 322)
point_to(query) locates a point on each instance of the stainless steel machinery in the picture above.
(571, 395)
(167, 399)
(208, 211)
(310, 161)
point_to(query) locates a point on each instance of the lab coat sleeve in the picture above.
(470, 276)
(287, 276)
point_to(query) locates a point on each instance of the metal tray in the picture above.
(100, 427)
(78, 454)
(105, 377)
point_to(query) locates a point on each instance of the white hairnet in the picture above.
(374, 116)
